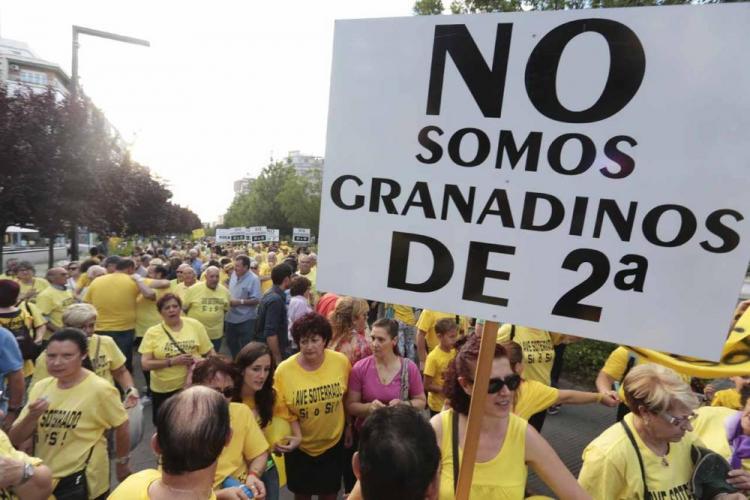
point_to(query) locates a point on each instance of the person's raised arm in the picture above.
(548, 466)
(570, 397)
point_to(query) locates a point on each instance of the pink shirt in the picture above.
(364, 379)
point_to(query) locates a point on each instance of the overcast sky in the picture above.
(224, 85)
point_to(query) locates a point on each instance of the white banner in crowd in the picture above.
(257, 234)
(584, 171)
(300, 236)
(273, 235)
(232, 235)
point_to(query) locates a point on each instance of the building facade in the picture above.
(21, 68)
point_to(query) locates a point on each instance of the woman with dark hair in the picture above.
(255, 389)
(171, 348)
(507, 444)
(31, 286)
(312, 384)
(243, 460)
(78, 408)
(381, 379)
(192, 429)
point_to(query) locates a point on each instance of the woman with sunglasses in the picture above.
(648, 453)
(507, 443)
(243, 459)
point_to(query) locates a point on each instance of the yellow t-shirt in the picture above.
(110, 358)
(617, 364)
(136, 486)
(38, 284)
(501, 478)
(265, 270)
(192, 338)
(146, 313)
(208, 306)
(427, 321)
(404, 314)
(538, 350)
(435, 366)
(76, 421)
(533, 397)
(312, 275)
(28, 314)
(52, 302)
(710, 428)
(114, 297)
(729, 398)
(180, 289)
(315, 398)
(7, 451)
(611, 471)
(247, 443)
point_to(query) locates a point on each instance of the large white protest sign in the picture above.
(583, 171)
(273, 235)
(258, 234)
(301, 236)
(232, 235)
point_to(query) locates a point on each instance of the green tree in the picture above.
(300, 200)
(428, 7)
(424, 7)
(260, 207)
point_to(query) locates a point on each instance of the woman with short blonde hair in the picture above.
(648, 453)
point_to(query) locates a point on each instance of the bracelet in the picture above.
(599, 397)
(122, 460)
(251, 472)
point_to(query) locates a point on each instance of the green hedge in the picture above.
(584, 359)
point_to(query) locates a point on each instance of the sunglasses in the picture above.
(497, 384)
(227, 392)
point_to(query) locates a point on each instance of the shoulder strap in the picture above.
(629, 433)
(512, 332)
(96, 355)
(404, 380)
(171, 339)
(629, 366)
(454, 441)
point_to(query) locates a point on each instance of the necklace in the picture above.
(193, 493)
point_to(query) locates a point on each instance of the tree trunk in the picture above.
(51, 251)
(73, 241)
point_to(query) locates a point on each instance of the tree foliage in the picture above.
(280, 199)
(428, 7)
(62, 165)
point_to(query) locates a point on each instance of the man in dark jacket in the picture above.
(271, 325)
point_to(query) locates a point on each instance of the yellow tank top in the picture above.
(501, 478)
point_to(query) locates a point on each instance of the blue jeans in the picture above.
(124, 340)
(407, 338)
(238, 335)
(217, 344)
(270, 479)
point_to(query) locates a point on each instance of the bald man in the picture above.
(53, 300)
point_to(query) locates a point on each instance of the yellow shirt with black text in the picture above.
(104, 354)
(192, 338)
(538, 350)
(315, 398)
(52, 302)
(74, 424)
(208, 306)
(611, 470)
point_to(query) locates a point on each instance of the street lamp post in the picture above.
(74, 92)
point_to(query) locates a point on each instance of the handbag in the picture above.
(404, 380)
(189, 378)
(29, 349)
(74, 486)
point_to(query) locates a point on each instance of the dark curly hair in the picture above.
(205, 370)
(464, 365)
(309, 325)
(265, 398)
(299, 286)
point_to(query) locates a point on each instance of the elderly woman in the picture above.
(69, 414)
(107, 360)
(348, 322)
(508, 445)
(312, 384)
(647, 454)
(170, 349)
(243, 459)
(31, 286)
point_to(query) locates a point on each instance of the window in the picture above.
(35, 77)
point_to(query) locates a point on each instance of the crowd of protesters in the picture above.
(258, 379)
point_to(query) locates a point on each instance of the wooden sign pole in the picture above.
(476, 409)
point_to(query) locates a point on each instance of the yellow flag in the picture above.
(199, 233)
(735, 358)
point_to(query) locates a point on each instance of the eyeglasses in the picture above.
(227, 392)
(678, 421)
(496, 384)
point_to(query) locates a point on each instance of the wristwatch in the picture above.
(28, 473)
